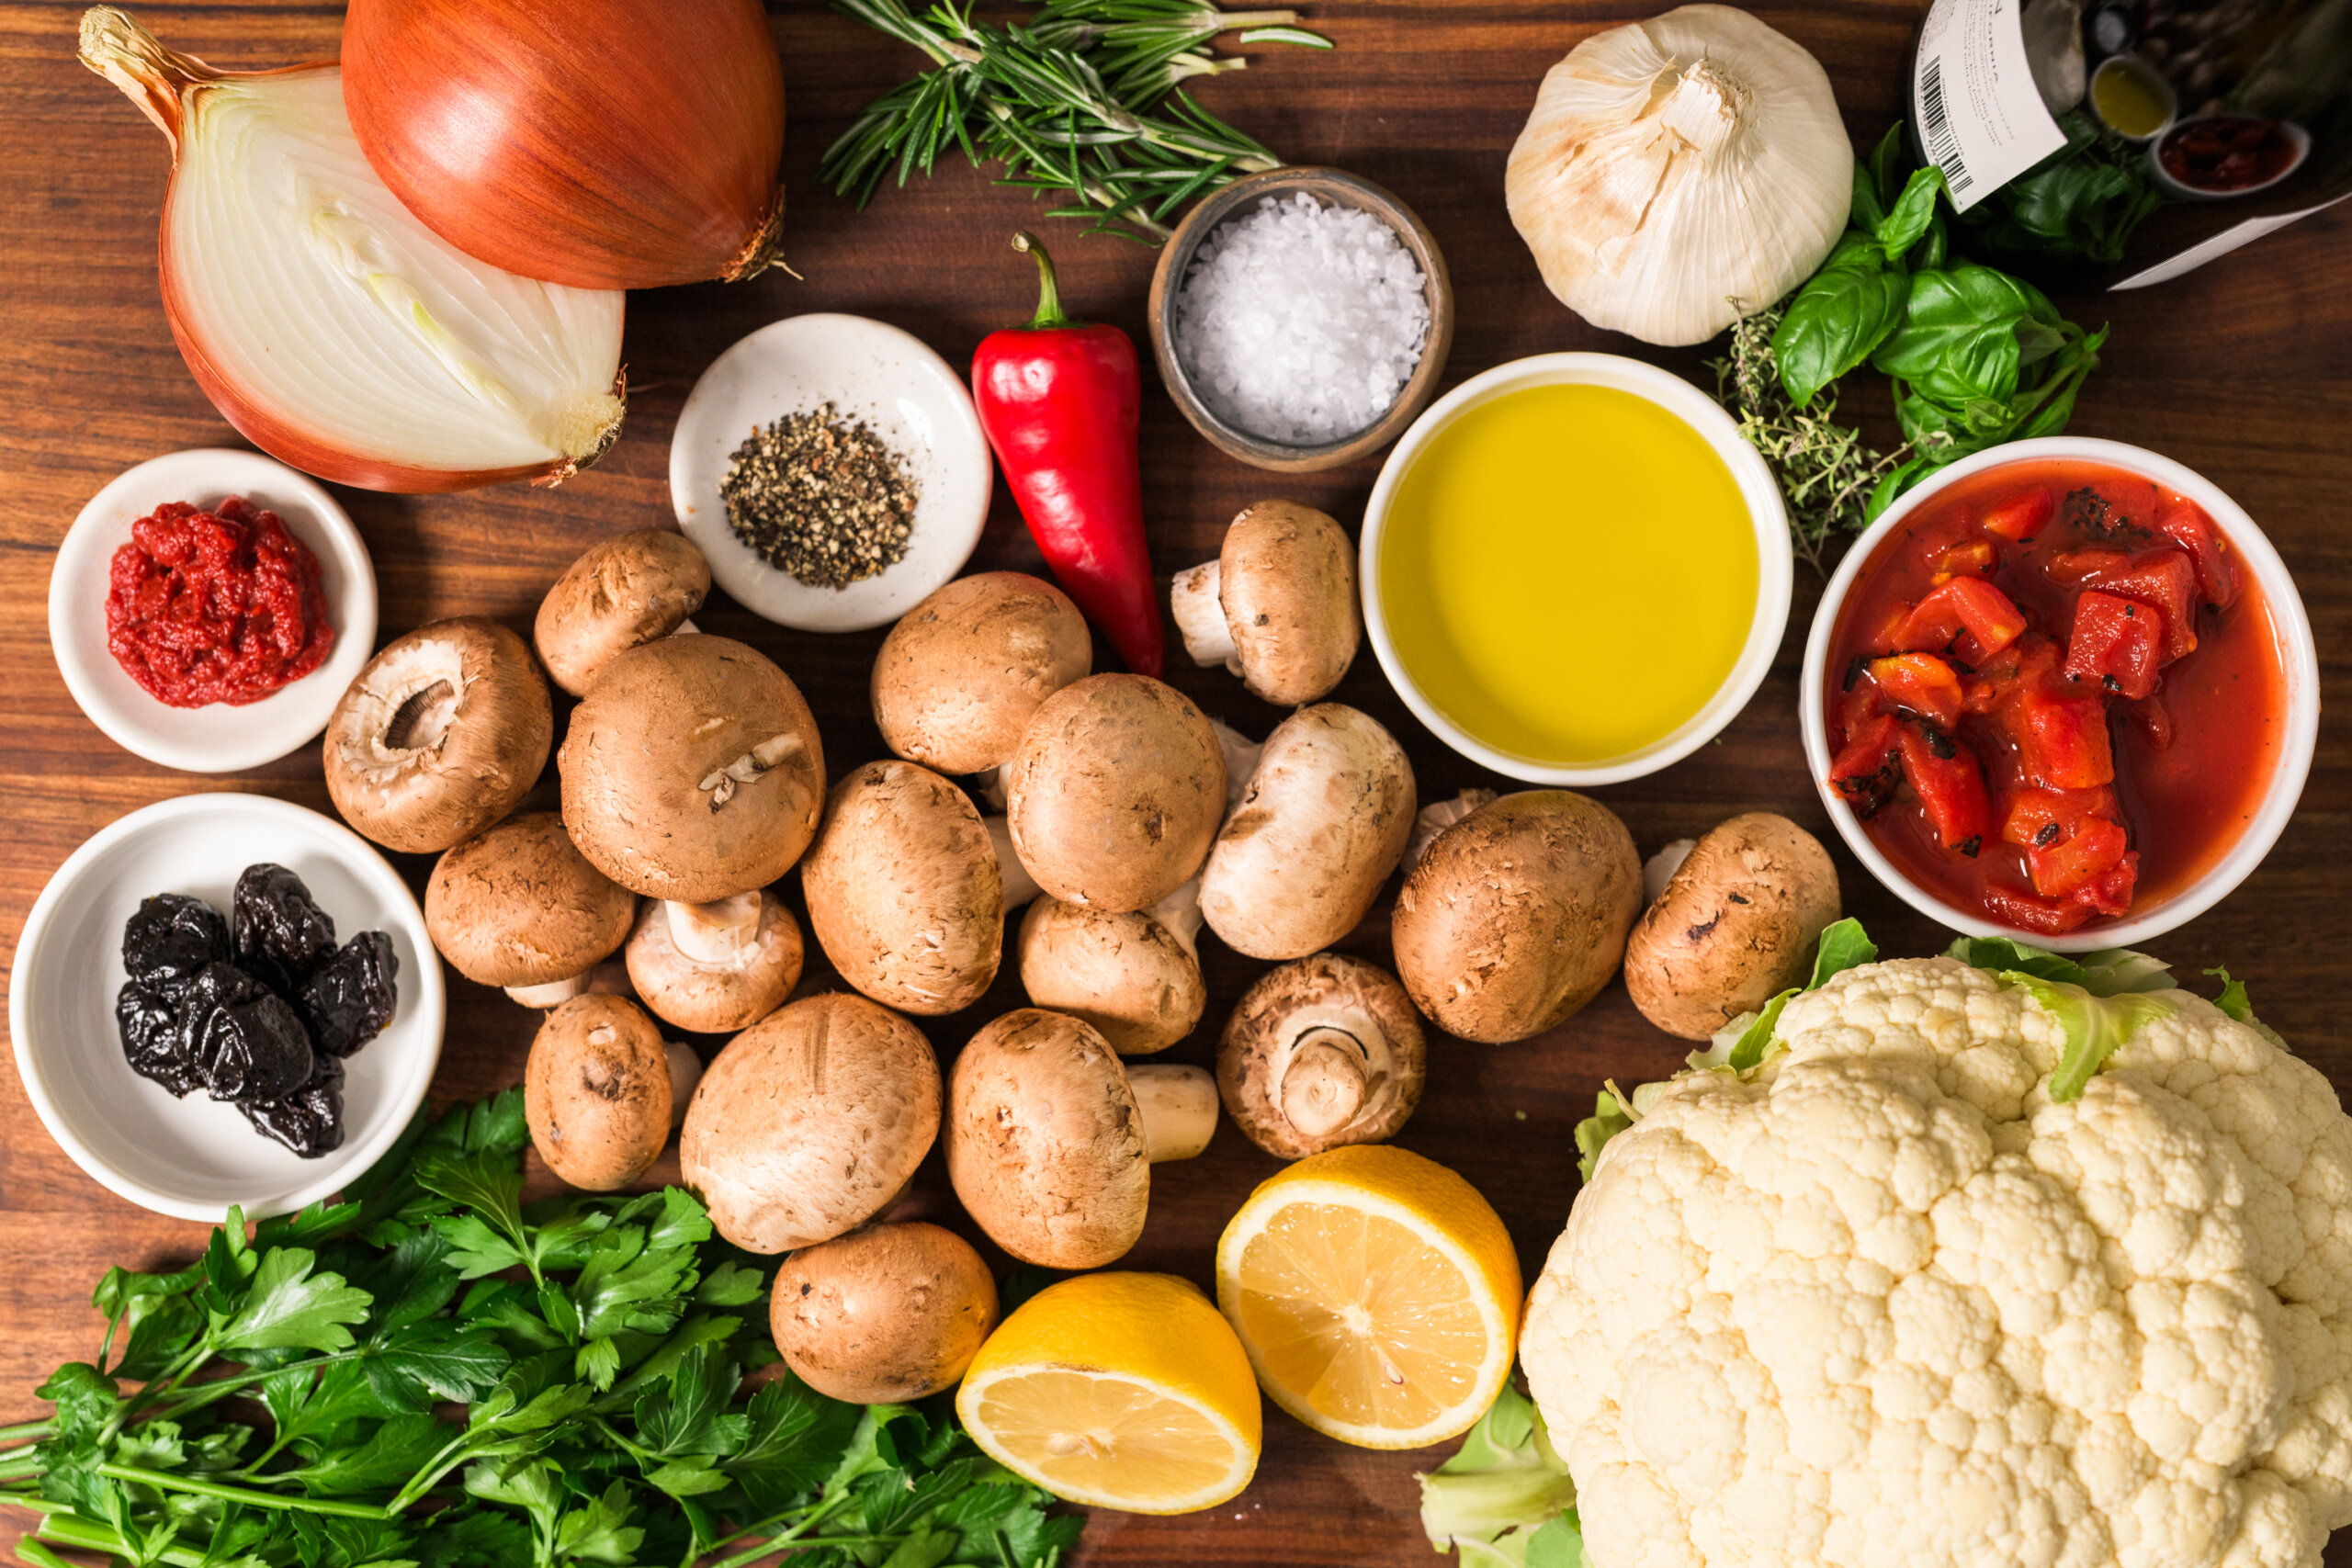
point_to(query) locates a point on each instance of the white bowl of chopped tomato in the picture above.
(2065, 689)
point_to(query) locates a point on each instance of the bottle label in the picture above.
(1973, 94)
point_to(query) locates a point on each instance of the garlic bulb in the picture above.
(1679, 173)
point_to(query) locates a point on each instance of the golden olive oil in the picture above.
(1568, 573)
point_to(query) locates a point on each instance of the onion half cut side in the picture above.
(330, 326)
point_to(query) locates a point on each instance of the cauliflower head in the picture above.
(1884, 1303)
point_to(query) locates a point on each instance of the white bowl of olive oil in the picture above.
(1575, 570)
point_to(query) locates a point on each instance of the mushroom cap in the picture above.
(625, 591)
(1329, 993)
(1045, 1142)
(904, 892)
(1322, 825)
(1116, 792)
(520, 906)
(441, 734)
(1123, 973)
(1517, 915)
(1736, 924)
(961, 674)
(883, 1316)
(596, 1092)
(692, 770)
(1287, 576)
(713, 999)
(808, 1122)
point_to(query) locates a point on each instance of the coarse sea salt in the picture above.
(1300, 322)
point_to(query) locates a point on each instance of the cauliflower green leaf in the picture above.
(2232, 1001)
(1504, 1500)
(2094, 1026)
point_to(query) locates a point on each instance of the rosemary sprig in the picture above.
(1082, 103)
(1825, 471)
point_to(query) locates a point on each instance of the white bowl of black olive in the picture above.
(225, 1001)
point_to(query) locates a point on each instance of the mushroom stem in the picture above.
(685, 628)
(1179, 915)
(989, 786)
(1323, 1086)
(552, 993)
(1659, 869)
(1178, 1108)
(610, 977)
(422, 718)
(715, 932)
(1019, 885)
(1241, 755)
(1437, 817)
(1197, 600)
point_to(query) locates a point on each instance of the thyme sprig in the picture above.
(1082, 102)
(1826, 472)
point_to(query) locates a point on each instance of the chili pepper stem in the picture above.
(1049, 314)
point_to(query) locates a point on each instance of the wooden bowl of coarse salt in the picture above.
(1301, 318)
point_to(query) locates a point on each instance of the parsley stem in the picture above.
(221, 1388)
(248, 1496)
(69, 1530)
(793, 1537)
(24, 1430)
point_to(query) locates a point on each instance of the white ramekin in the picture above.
(2299, 659)
(1765, 513)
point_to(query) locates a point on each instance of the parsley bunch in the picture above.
(289, 1401)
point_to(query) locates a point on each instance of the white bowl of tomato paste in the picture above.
(2064, 690)
(180, 671)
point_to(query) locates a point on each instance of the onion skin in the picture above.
(600, 143)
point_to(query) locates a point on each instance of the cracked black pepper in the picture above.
(821, 498)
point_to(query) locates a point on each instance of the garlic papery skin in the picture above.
(1681, 173)
(326, 322)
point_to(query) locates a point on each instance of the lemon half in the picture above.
(1376, 1293)
(1117, 1391)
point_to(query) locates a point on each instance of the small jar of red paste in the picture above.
(219, 606)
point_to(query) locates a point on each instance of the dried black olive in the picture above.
(170, 936)
(351, 997)
(281, 933)
(310, 1120)
(147, 1015)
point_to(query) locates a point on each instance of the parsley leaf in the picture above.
(290, 1307)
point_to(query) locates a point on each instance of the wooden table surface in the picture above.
(2242, 370)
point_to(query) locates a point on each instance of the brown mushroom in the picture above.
(1439, 814)
(1322, 825)
(1278, 606)
(685, 1073)
(1736, 924)
(883, 1316)
(1323, 1052)
(810, 1121)
(723, 976)
(692, 770)
(1134, 975)
(1517, 915)
(596, 1092)
(519, 906)
(623, 591)
(961, 673)
(905, 895)
(1116, 793)
(1051, 1138)
(440, 735)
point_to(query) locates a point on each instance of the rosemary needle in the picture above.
(1081, 102)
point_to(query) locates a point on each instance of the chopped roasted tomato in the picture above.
(2109, 893)
(2042, 817)
(1970, 558)
(2050, 917)
(2163, 579)
(1944, 773)
(2217, 575)
(1920, 683)
(2113, 507)
(2020, 517)
(2065, 867)
(1963, 607)
(2153, 719)
(1865, 770)
(2117, 645)
(2061, 742)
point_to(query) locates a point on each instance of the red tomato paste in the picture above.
(2055, 695)
(219, 606)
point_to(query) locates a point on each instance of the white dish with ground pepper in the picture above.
(832, 469)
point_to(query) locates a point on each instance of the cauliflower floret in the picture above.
(1885, 1304)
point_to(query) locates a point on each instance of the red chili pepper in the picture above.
(1060, 401)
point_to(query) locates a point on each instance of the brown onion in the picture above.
(339, 334)
(601, 143)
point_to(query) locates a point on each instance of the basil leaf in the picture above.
(1907, 219)
(1959, 342)
(1843, 312)
(1867, 209)
(1886, 160)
